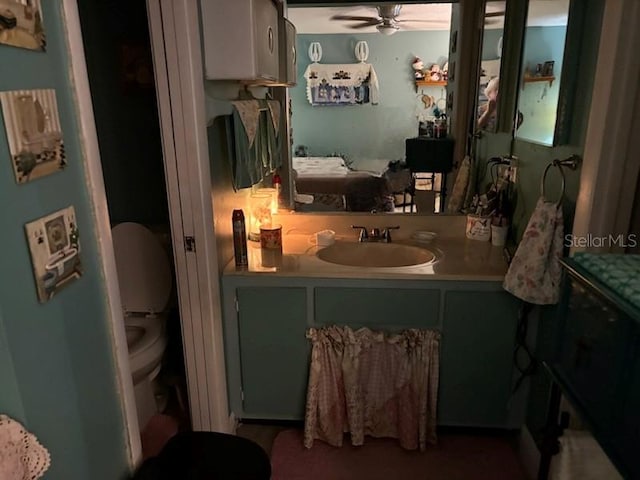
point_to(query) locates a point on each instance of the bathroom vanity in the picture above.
(267, 311)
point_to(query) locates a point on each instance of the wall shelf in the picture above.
(426, 83)
(539, 79)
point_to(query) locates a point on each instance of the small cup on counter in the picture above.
(499, 235)
(324, 238)
(271, 245)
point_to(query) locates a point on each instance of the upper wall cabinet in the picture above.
(241, 40)
(288, 55)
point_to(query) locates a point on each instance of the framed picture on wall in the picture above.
(21, 24)
(34, 133)
(54, 243)
(547, 69)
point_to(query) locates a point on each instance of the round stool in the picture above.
(207, 456)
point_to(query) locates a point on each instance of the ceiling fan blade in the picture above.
(494, 14)
(418, 20)
(364, 25)
(355, 19)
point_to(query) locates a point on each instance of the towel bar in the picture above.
(572, 163)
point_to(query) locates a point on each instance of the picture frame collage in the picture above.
(35, 141)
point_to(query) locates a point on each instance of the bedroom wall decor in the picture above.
(21, 24)
(33, 132)
(54, 244)
(341, 84)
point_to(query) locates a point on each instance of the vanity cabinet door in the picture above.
(377, 308)
(476, 366)
(274, 351)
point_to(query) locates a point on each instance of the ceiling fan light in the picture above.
(387, 29)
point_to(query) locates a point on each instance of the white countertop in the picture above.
(458, 259)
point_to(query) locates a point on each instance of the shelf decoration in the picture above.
(34, 133)
(341, 84)
(433, 76)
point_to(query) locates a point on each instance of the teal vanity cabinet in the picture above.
(476, 371)
(267, 353)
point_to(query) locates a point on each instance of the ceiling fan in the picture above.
(493, 17)
(386, 22)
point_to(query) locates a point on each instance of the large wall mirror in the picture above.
(541, 73)
(346, 139)
(490, 61)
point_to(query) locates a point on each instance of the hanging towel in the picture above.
(460, 187)
(253, 133)
(535, 272)
(21, 455)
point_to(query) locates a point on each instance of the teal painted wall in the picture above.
(538, 101)
(490, 43)
(364, 132)
(56, 360)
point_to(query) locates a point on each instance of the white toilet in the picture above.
(145, 282)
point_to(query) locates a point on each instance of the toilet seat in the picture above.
(143, 268)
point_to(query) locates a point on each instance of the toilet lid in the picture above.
(143, 268)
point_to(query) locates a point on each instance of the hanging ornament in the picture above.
(315, 52)
(362, 51)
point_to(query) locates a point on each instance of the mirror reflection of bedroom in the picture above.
(371, 97)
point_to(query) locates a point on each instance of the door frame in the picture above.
(174, 26)
(610, 168)
(98, 200)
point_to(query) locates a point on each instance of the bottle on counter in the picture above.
(277, 184)
(239, 239)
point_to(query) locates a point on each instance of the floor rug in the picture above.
(456, 457)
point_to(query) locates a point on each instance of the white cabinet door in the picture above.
(291, 66)
(240, 39)
(266, 39)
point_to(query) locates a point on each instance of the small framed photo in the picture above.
(54, 243)
(34, 132)
(547, 69)
(21, 24)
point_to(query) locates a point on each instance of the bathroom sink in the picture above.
(375, 255)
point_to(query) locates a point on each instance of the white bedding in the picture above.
(320, 166)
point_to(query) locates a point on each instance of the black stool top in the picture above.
(207, 456)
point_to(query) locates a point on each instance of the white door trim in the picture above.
(175, 37)
(97, 197)
(610, 169)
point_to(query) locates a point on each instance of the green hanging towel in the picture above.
(255, 140)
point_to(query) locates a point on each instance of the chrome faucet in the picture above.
(374, 235)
